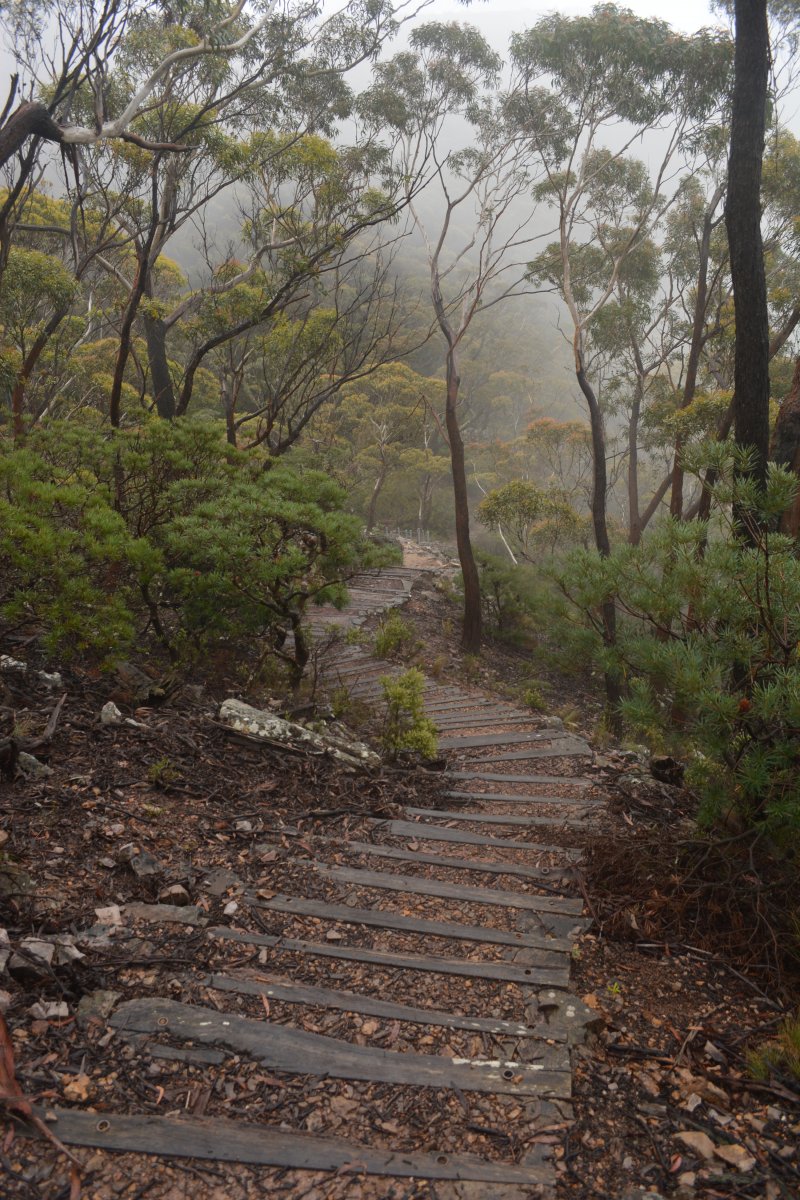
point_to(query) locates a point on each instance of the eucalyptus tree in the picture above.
(239, 121)
(66, 52)
(743, 223)
(207, 100)
(443, 90)
(583, 77)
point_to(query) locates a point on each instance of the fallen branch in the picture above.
(12, 1096)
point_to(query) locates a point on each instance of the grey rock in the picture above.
(175, 894)
(66, 950)
(144, 865)
(96, 1006)
(552, 723)
(32, 959)
(166, 914)
(14, 881)
(563, 1011)
(7, 663)
(6, 1000)
(110, 915)
(221, 880)
(49, 1010)
(258, 722)
(31, 767)
(110, 714)
(5, 948)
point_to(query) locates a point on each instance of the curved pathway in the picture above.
(420, 961)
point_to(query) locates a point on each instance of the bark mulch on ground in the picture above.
(665, 1101)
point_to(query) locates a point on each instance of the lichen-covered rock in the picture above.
(257, 722)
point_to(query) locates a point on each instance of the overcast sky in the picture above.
(497, 18)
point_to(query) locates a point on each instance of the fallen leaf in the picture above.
(735, 1156)
(78, 1088)
(700, 1142)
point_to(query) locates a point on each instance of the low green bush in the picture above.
(406, 727)
(166, 531)
(709, 647)
(394, 635)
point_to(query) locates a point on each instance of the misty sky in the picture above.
(497, 18)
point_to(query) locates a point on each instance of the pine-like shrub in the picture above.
(166, 531)
(709, 646)
(406, 726)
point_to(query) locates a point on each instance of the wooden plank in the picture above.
(219, 1140)
(440, 833)
(387, 919)
(471, 968)
(485, 865)
(507, 716)
(496, 777)
(479, 740)
(481, 703)
(491, 818)
(289, 992)
(416, 886)
(282, 1048)
(513, 798)
(576, 750)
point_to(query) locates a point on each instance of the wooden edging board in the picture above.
(219, 1140)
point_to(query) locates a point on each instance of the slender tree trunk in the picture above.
(743, 222)
(655, 500)
(634, 519)
(425, 503)
(373, 500)
(471, 630)
(786, 448)
(703, 511)
(695, 350)
(26, 370)
(160, 377)
(599, 474)
(140, 285)
(600, 480)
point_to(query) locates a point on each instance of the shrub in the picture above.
(780, 1056)
(167, 530)
(394, 636)
(406, 726)
(708, 645)
(533, 696)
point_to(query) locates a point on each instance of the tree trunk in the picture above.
(695, 350)
(30, 119)
(26, 370)
(743, 222)
(471, 630)
(160, 378)
(599, 475)
(425, 503)
(704, 503)
(634, 519)
(600, 481)
(373, 500)
(786, 449)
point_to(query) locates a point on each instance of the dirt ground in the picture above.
(664, 1103)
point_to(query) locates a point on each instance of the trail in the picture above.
(421, 970)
